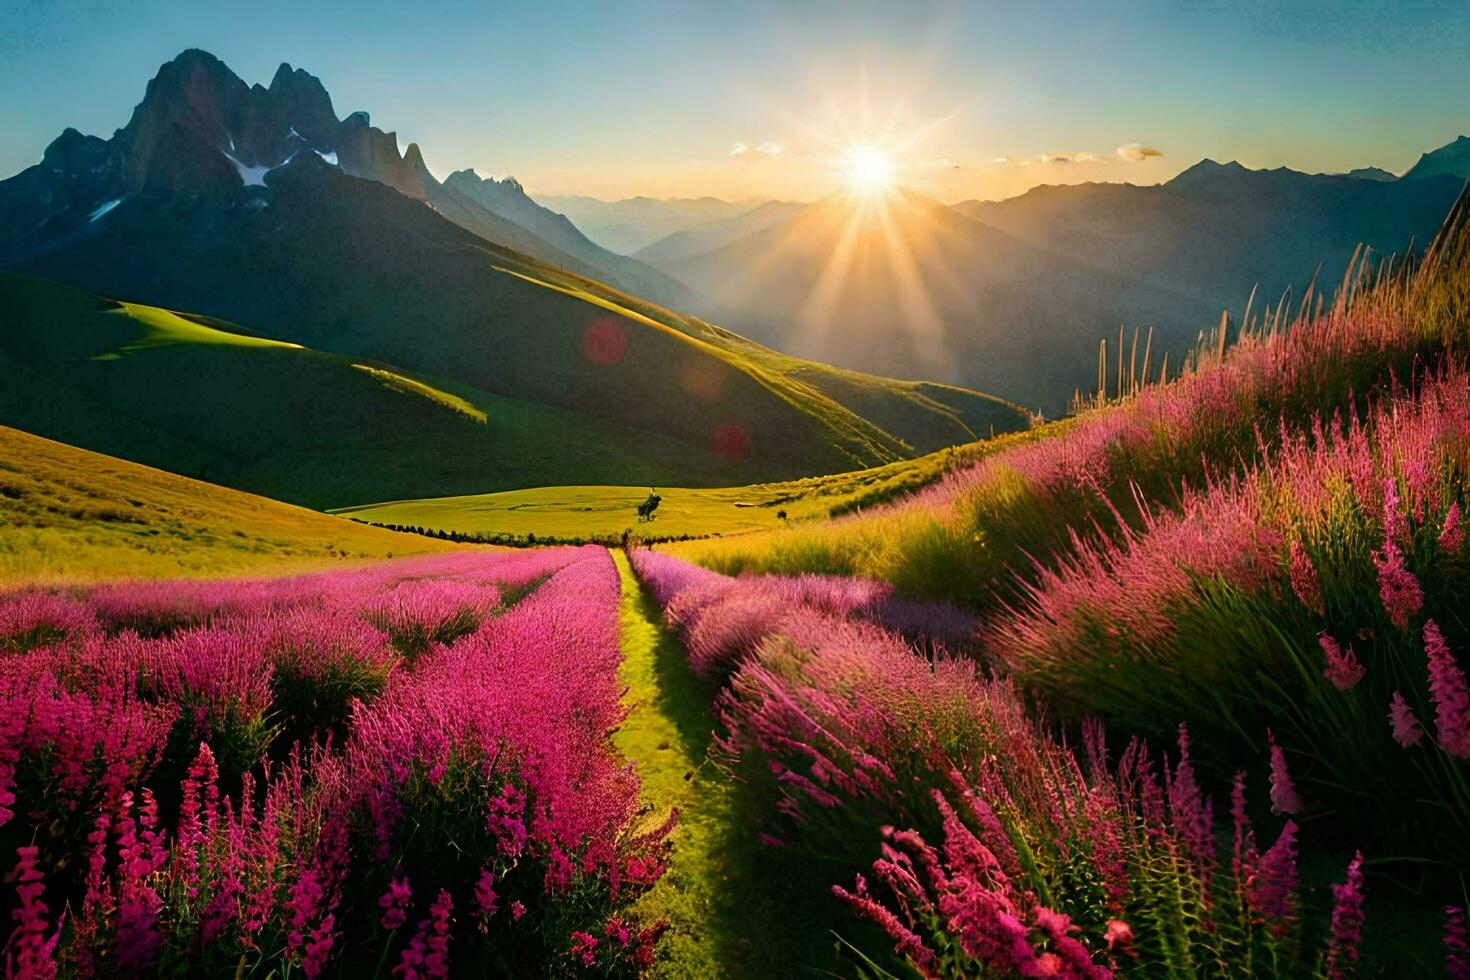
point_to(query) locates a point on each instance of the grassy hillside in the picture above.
(205, 399)
(72, 515)
(978, 537)
(341, 264)
(606, 511)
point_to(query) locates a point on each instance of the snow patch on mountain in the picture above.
(103, 209)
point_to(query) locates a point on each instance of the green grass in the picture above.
(604, 512)
(72, 515)
(208, 400)
(736, 908)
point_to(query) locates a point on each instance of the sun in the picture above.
(867, 168)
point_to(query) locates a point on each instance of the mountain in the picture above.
(201, 129)
(72, 515)
(178, 212)
(636, 222)
(706, 236)
(1371, 173)
(900, 283)
(1452, 159)
(1217, 230)
(507, 198)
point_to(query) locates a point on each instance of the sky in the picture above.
(762, 100)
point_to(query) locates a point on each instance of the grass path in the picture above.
(728, 898)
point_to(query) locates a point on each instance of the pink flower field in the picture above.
(401, 768)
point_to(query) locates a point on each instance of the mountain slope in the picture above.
(200, 398)
(310, 254)
(71, 515)
(902, 284)
(1452, 159)
(201, 129)
(508, 199)
(1217, 230)
(709, 235)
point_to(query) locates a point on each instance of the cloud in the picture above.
(939, 164)
(1076, 156)
(1137, 152)
(766, 148)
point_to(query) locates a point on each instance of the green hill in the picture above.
(73, 515)
(211, 400)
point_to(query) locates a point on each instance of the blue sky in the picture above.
(979, 99)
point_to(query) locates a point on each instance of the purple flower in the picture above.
(485, 898)
(1398, 588)
(394, 903)
(31, 949)
(1284, 798)
(1452, 536)
(1343, 668)
(1406, 730)
(1456, 946)
(1347, 921)
(1304, 578)
(1272, 891)
(1451, 697)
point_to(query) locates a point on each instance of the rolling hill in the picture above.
(73, 515)
(310, 254)
(203, 398)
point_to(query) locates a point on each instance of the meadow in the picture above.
(603, 513)
(1176, 687)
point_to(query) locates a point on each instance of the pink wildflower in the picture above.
(1343, 670)
(1457, 948)
(32, 949)
(394, 903)
(1397, 587)
(1451, 698)
(1452, 536)
(1272, 889)
(1304, 579)
(1119, 935)
(1395, 525)
(1284, 798)
(436, 959)
(1347, 921)
(1406, 730)
(517, 909)
(485, 898)
(584, 947)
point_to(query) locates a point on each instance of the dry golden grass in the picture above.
(69, 515)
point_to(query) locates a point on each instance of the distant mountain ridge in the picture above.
(1021, 314)
(507, 198)
(634, 223)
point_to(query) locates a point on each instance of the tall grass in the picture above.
(985, 845)
(1312, 595)
(963, 538)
